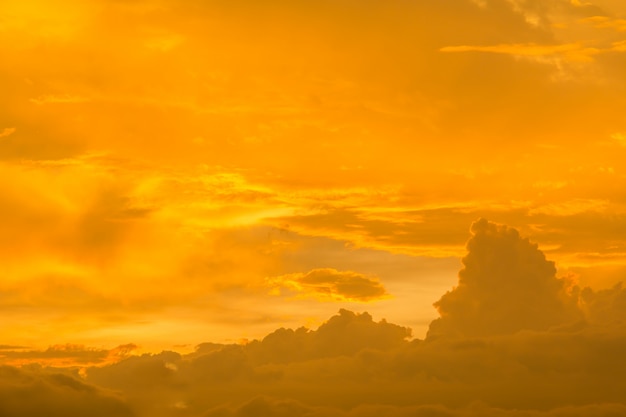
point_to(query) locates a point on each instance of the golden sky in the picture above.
(177, 172)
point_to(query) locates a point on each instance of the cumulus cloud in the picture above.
(30, 393)
(354, 366)
(149, 213)
(525, 345)
(521, 349)
(506, 285)
(289, 362)
(605, 307)
(328, 284)
(344, 334)
(151, 232)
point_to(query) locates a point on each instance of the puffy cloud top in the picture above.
(344, 334)
(506, 285)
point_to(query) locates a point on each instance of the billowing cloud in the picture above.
(344, 334)
(328, 284)
(331, 370)
(169, 156)
(528, 367)
(157, 383)
(133, 182)
(25, 393)
(506, 285)
(605, 307)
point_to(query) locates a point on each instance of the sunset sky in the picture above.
(177, 172)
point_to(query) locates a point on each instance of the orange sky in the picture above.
(175, 172)
(312, 208)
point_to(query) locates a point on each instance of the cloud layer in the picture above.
(513, 340)
(167, 168)
(25, 393)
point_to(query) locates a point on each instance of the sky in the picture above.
(313, 204)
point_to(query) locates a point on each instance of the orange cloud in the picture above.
(522, 342)
(32, 392)
(169, 156)
(327, 284)
(606, 22)
(502, 273)
(7, 131)
(571, 51)
(58, 99)
(61, 356)
(276, 407)
(515, 49)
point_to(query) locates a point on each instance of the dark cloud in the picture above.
(351, 360)
(506, 285)
(344, 334)
(136, 371)
(522, 348)
(232, 372)
(331, 285)
(605, 307)
(272, 407)
(11, 347)
(25, 393)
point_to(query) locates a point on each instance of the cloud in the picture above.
(572, 51)
(515, 49)
(170, 227)
(361, 102)
(618, 137)
(530, 368)
(281, 362)
(64, 355)
(506, 286)
(571, 207)
(275, 407)
(7, 131)
(619, 46)
(271, 407)
(416, 234)
(25, 393)
(328, 284)
(59, 99)
(605, 307)
(606, 22)
(344, 334)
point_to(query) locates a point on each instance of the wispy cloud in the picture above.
(7, 131)
(59, 99)
(570, 51)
